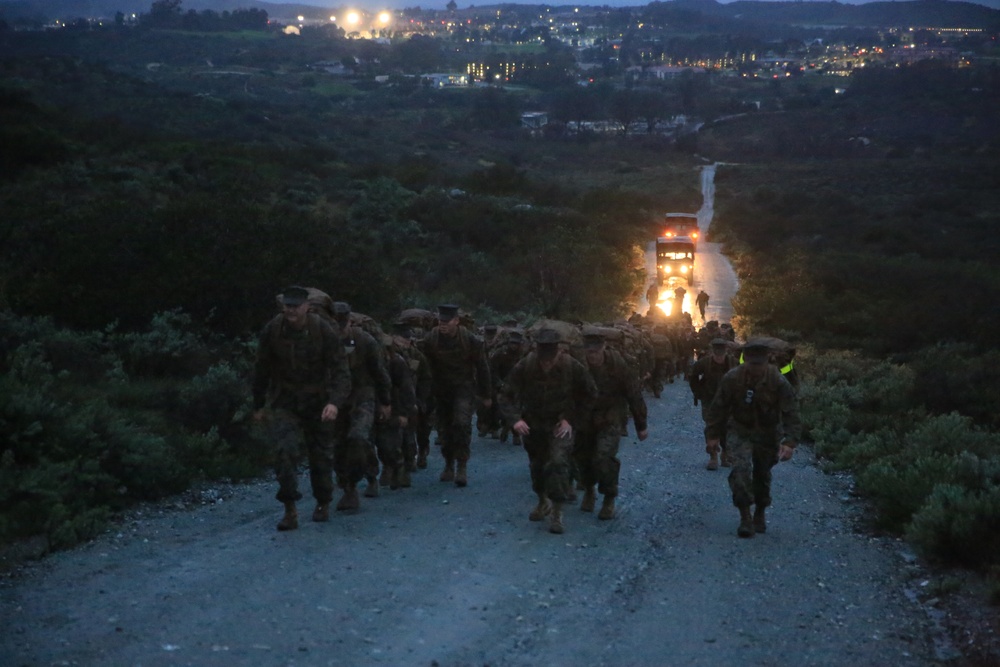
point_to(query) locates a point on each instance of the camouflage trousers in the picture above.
(454, 423)
(752, 458)
(551, 462)
(488, 418)
(352, 446)
(596, 457)
(704, 417)
(388, 447)
(422, 430)
(291, 427)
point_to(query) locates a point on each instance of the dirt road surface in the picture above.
(438, 575)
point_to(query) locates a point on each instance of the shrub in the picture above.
(959, 525)
(213, 400)
(169, 349)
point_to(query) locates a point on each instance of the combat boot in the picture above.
(291, 519)
(724, 460)
(322, 512)
(448, 474)
(713, 461)
(422, 459)
(607, 509)
(746, 523)
(404, 478)
(589, 500)
(371, 491)
(461, 475)
(556, 519)
(541, 510)
(759, 520)
(350, 500)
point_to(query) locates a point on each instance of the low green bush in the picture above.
(959, 525)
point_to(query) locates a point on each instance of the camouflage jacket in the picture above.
(367, 359)
(618, 390)
(457, 361)
(542, 399)
(294, 364)
(705, 376)
(767, 407)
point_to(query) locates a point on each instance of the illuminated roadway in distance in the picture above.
(712, 270)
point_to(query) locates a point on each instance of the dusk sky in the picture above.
(375, 5)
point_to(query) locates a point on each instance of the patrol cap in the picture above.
(712, 324)
(447, 312)
(592, 337)
(756, 351)
(547, 343)
(401, 328)
(490, 328)
(341, 308)
(720, 342)
(294, 295)
(515, 336)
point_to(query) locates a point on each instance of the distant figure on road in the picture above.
(758, 410)
(545, 399)
(679, 293)
(301, 380)
(701, 301)
(653, 295)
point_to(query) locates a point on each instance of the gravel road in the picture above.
(437, 575)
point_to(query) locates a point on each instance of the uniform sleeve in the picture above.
(338, 371)
(718, 409)
(402, 383)
(509, 397)
(696, 378)
(483, 381)
(789, 404)
(424, 381)
(636, 403)
(586, 392)
(262, 368)
(375, 361)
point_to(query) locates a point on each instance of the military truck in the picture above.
(675, 258)
(676, 225)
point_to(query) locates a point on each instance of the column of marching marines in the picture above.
(361, 405)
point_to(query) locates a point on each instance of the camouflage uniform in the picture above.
(542, 400)
(704, 379)
(502, 360)
(297, 373)
(596, 451)
(389, 432)
(459, 374)
(416, 434)
(369, 383)
(757, 416)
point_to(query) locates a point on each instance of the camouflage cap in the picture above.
(593, 337)
(756, 351)
(294, 295)
(341, 308)
(720, 342)
(547, 343)
(447, 312)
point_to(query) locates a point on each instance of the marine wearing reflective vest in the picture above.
(758, 409)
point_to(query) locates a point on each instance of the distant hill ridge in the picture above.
(922, 13)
